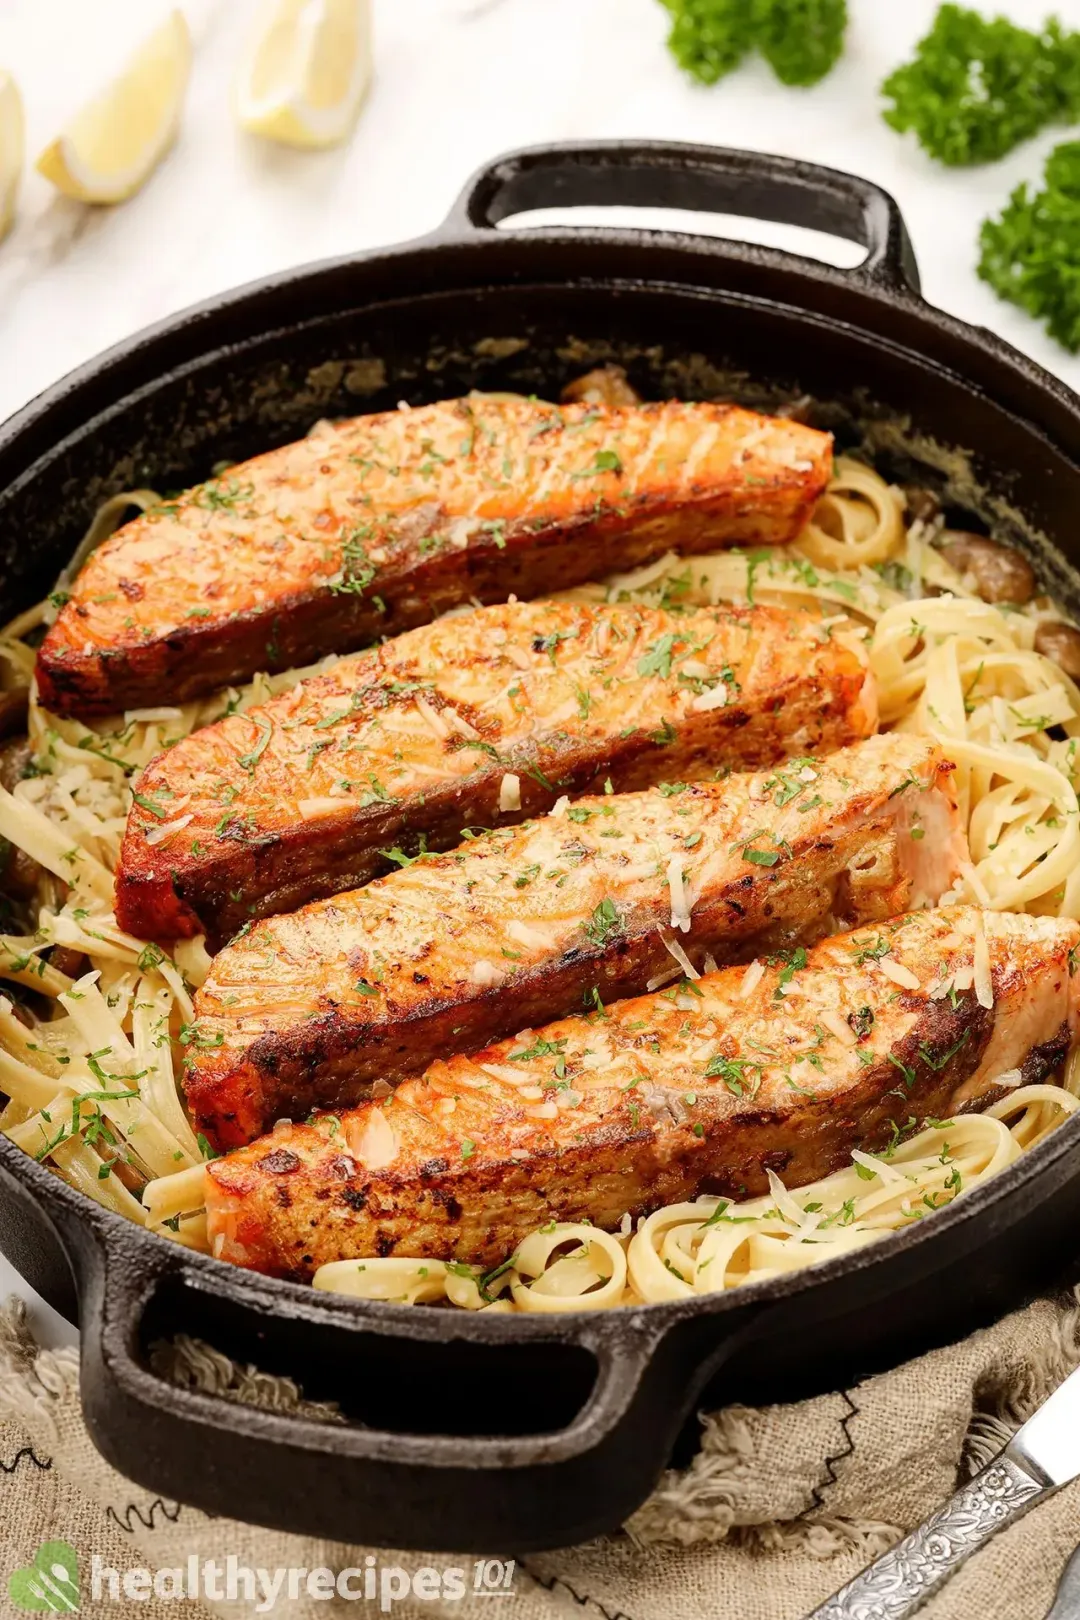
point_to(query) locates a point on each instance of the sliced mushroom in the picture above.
(15, 756)
(13, 707)
(920, 505)
(126, 1173)
(607, 385)
(1061, 644)
(999, 573)
(19, 874)
(65, 959)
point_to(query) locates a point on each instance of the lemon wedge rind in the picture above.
(11, 150)
(113, 145)
(307, 72)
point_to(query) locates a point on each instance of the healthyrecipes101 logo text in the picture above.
(51, 1582)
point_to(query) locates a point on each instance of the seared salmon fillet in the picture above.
(311, 1009)
(374, 525)
(485, 715)
(785, 1065)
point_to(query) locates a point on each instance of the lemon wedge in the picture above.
(11, 150)
(306, 72)
(114, 144)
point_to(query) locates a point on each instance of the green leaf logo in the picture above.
(51, 1583)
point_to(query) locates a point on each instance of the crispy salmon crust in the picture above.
(374, 525)
(662, 1098)
(310, 1009)
(482, 718)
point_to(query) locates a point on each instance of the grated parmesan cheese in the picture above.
(974, 883)
(751, 979)
(312, 808)
(716, 699)
(459, 532)
(899, 974)
(674, 947)
(984, 988)
(524, 935)
(461, 725)
(508, 1074)
(837, 1026)
(680, 909)
(546, 1110)
(157, 835)
(789, 1207)
(435, 721)
(510, 793)
(374, 1143)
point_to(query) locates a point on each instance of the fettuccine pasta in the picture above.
(92, 1085)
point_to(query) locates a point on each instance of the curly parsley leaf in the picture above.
(802, 40)
(1030, 253)
(710, 37)
(978, 86)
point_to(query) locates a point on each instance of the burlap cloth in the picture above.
(779, 1508)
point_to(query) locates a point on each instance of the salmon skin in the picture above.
(592, 903)
(482, 717)
(664, 1097)
(374, 525)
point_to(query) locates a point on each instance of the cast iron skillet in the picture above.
(493, 1432)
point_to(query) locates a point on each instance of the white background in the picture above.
(456, 82)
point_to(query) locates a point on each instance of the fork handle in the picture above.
(898, 1583)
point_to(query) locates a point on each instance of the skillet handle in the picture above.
(487, 1434)
(671, 174)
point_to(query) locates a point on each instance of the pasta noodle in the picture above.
(92, 1085)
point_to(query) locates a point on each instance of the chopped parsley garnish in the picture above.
(656, 660)
(398, 856)
(732, 1071)
(357, 570)
(249, 761)
(604, 922)
(149, 805)
(941, 1059)
(789, 963)
(543, 1048)
(871, 953)
(605, 461)
(785, 785)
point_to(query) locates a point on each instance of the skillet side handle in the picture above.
(671, 174)
(408, 1487)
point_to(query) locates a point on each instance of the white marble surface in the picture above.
(456, 82)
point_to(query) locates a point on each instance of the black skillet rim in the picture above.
(887, 279)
